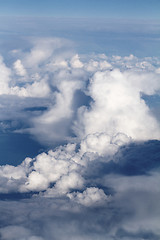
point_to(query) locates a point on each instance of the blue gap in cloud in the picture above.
(15, 196)
(153, 102)
(32, 109)
(14, 148)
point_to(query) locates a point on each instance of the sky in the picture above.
(79, 120)
(141, 9)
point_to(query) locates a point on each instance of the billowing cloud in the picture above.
(118, 107)
(103, 144)
(56, 76)
(90, 197)
(18, 66)
(95, 183)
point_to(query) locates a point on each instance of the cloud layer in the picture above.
(93, 184)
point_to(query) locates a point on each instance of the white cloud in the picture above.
(54, 123)
(75, 62)
(90, 197)
(37, 89)
(130, 57)
(43, 49)
(103, 144)
(19, 68)
(99, 143)
(61, 167)
(35, 182)
(56, 74)
(66, 184)
(118, 106)
(5, 74)
(95, 103)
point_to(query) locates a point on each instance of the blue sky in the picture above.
(145, 9)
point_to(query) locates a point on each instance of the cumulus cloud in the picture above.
(93, 108)
(114, 114)
(75, 62)
(66, 184)
(51, 73)
(90, 197)
(56, 167)
(19, 68)
(103, 144)
(118, 107)
(43, 49)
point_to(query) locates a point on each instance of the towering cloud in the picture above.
(117, 105)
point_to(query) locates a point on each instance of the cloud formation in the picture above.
(93, 107)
